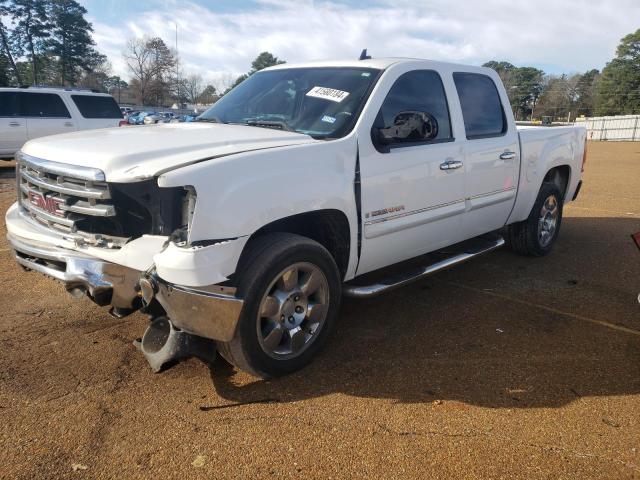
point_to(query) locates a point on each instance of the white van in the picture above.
(32, 112)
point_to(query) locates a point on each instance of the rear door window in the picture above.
(94, 106)
(9, 104)
(43, 105)
(481, 106)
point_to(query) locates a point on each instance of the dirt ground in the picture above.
(507, 367)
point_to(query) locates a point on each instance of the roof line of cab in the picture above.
(378, 63)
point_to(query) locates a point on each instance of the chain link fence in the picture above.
(619, 128)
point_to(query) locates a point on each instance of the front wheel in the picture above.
(291, 289)
(536, 235)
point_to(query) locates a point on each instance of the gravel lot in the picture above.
(507, 367)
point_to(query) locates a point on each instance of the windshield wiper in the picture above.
(270, 124)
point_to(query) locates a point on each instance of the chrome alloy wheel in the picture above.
(293, 311)
(548, 220)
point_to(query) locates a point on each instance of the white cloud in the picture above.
(562, 35)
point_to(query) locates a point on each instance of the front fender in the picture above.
(199, 266)
(239, 194)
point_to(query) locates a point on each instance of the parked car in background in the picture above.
(131, 117)
(127, 116)
(151, 118)
(159, 117)
(167, 117)
(126, 110)
(138, 118)
(32, 112)
(191, 117)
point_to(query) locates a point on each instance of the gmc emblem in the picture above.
(47, 203)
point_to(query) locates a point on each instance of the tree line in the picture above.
(614, 91)
(534, 94)
(49, 42)
(45, 42)
(156, 77)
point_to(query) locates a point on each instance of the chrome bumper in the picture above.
(105, 282)
(212, 312)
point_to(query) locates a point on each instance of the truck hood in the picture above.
(129, 154)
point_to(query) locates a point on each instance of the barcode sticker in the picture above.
(328, 94)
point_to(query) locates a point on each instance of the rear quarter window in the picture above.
(481, 106)
(94, 106)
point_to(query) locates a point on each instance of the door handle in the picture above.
(451, 165)
(68, 124)
(14, 124)
(507, 155)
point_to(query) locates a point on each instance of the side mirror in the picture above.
(410, 126)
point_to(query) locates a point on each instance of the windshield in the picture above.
(321, 102)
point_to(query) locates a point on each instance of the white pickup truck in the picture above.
(247, 227)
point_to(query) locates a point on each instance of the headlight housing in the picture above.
(181, 236)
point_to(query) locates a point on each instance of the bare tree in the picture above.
(224, 81)
(150, 62)
(193, 87)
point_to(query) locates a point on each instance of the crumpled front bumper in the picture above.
(105, 282)
(210, 312)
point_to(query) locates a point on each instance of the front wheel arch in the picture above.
(329, 227)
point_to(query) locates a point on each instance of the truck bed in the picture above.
(541, 149)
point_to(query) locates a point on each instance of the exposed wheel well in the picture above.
(560, 176)
(330, 228)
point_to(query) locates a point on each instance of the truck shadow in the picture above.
(502, 332)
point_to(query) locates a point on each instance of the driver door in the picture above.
(413, 192)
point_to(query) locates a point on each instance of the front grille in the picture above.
(78, 202)
(62, 197)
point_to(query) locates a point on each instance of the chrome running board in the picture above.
(399, 280)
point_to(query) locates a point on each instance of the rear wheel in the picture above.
(291, 288)
(536, 235)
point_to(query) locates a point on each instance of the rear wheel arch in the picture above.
(560, 176)
(536, 235)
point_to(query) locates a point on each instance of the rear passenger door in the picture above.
(13, 128)
(491, 152)
(46, 114)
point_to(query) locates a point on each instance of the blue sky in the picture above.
(219, 38)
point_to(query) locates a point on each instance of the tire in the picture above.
(536, 235)
(301, 322)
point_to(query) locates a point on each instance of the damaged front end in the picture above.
(125, 246)
(184, 321)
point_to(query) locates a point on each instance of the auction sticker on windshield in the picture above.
(327, 94)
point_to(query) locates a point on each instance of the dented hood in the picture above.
(128, 154)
